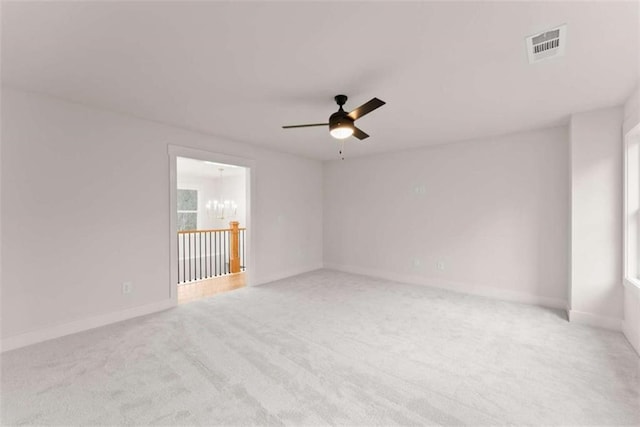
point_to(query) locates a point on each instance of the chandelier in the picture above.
(225, 207)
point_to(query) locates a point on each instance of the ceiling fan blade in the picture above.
(358, 133)
(305, 126)
(366, 108)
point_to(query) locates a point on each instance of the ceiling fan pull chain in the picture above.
(342, 148)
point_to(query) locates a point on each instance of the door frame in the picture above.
(175, 151)
(630, 246)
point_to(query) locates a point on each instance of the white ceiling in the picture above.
(202, 169)
(448, 70)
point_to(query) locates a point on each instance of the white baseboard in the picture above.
(57, 331)
(73, 327)
(466, 288)
(596, 320)
(293, 272)
(633, 336)
(631, 323)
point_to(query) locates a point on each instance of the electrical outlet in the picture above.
(420, 190)
(440, 265)
(127, 287)
(416, 263)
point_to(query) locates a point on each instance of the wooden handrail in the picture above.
(209, 231)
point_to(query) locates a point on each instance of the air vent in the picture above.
(546, 45)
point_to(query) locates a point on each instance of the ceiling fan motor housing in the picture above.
(340, 119)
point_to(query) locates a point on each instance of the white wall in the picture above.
(85, 206)
(494, 211)
(631, 323)
(596, 218)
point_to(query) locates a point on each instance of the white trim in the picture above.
(590, 319)
(76, 326)
(630, 138)
(633, 285)
(634, 340)
(570, 219)
(631, 282)
(466, 288)
(288, 273)
(175, 151)
(628, 332)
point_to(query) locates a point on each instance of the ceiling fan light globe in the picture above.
(342, 132)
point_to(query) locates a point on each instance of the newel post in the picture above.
(234, 262)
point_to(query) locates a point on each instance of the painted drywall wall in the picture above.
(488, 216)
(631, 322)
(596, 218)
(85, 207)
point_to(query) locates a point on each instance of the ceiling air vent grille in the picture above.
(546, 45)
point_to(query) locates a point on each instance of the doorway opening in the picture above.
(211, 227)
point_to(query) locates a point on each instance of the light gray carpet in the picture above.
(329, 348)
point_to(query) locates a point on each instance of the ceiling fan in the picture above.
(341, 124)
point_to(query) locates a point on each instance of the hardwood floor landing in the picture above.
(209, 287)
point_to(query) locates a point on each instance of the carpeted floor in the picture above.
(329, 348)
